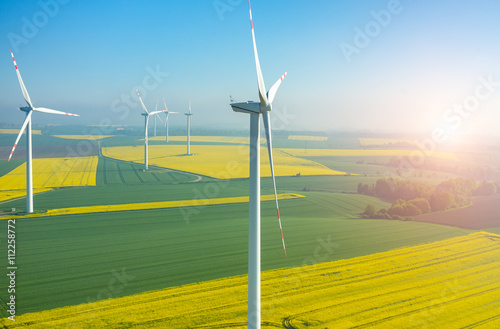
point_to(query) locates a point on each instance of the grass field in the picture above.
(451, 283)
(73, 256)
(221, 161)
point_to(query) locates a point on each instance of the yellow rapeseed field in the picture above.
(307, 138)
(218, 161)
(355, 153)
(83, 137)
(447, 284)
(12, 194)
(153, 205)
(53, 172)
(16, 131)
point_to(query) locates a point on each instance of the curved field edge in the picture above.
(153, 205)
(450, 283)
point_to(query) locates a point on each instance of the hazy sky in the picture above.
(379, 65)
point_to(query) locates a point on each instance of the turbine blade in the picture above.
(272, 91)
(25, 123)
(23, 88)
(143, 106)
(156, 112)
(156, 106)
(159, 117)
(189, 106)
(45, 110)
(260, 79)
(267, 126)
(164, 103)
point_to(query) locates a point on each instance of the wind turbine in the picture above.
(255, 109)
(188, 116)
(166, 120)
(146, 115)
(27, 126)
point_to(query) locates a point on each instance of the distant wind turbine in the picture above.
(27, 126)
(188, 116)
(167, 112)
(146, 115)
(255, 109)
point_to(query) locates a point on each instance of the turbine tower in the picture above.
(167, 112)
(255, 109)
(188, 116)
(146, 115)
(27, 126)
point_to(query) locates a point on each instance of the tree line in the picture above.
(412, 198)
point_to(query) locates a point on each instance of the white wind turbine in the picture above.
(188, 116)
(255, 109)
(27, 126)
(146, 115)
(167, 112)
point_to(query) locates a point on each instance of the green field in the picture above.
(110, 171)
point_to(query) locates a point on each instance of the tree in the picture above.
(422, 204)
(384, 188)
(485, 188)
(396, 210)
(370, 211)
(441, 200)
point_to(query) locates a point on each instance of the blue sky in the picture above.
(412, 67)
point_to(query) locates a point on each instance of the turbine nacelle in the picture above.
(26, 108)
(250, 107)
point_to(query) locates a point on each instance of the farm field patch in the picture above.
(16, 131)
(152, 205)
(307, 138)
(365, 153)
(221, 161)
(12, 194)
(384, 141)
(53, 172)
(111, 172)
(482, 214)
(450, 283)
(83, 137)
(205, 139)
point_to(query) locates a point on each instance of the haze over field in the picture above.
(377, 65)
